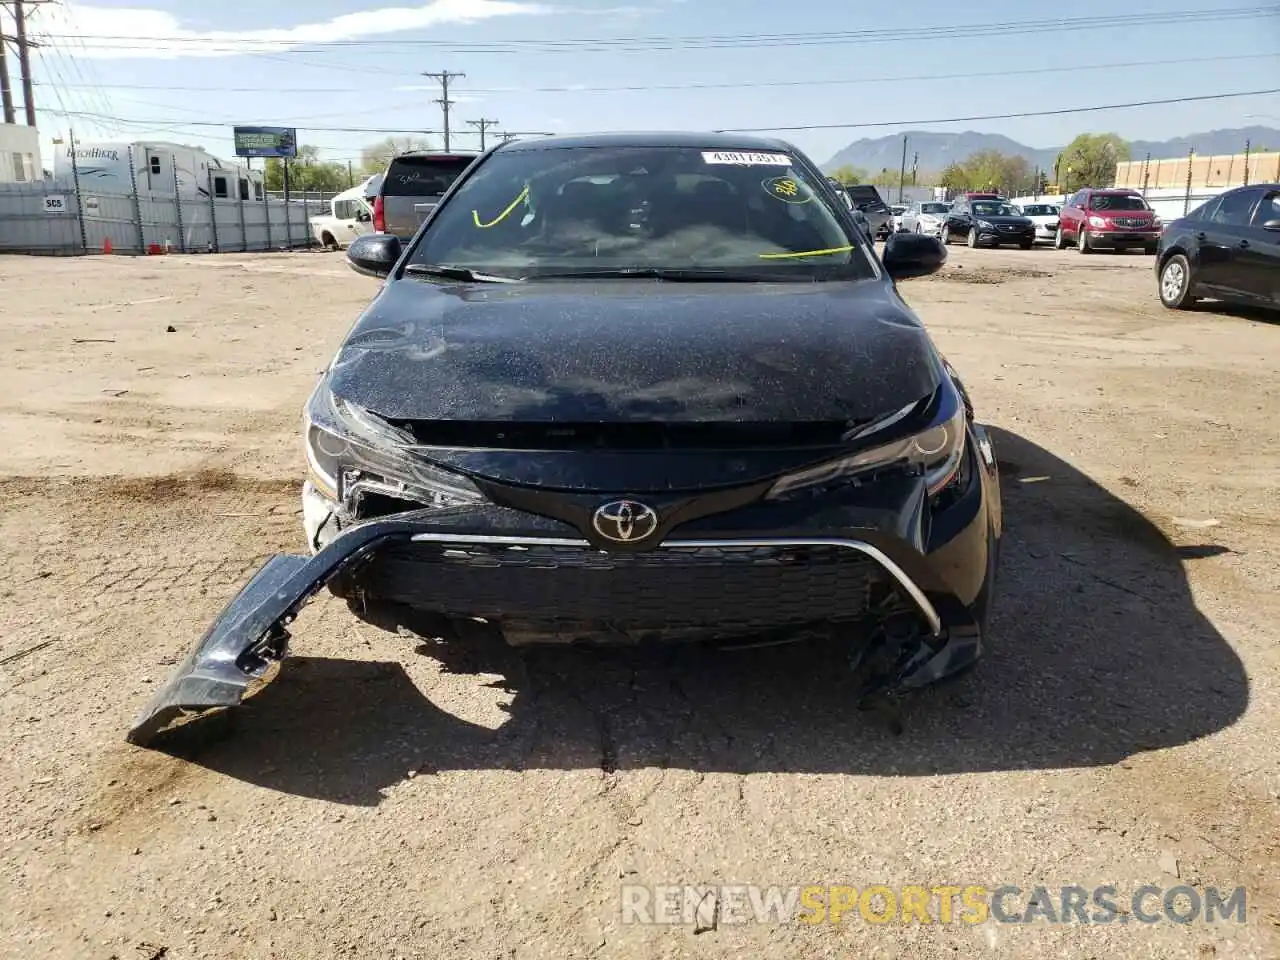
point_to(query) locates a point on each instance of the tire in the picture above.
(1175, 283)
(1150, 249)
(327, 241)
(973, 238)
(1059, 241)
(1026, 244)
(1082, 242)
(944, 235)
(918, 230)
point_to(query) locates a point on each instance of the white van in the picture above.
(350, 215)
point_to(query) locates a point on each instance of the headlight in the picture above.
(1097, 222)
(985, 225)
(1156, 222)
(345, 443)
(936, 453)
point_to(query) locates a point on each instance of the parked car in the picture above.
(412, 186)
(867, 198)
(1044, 216)
(925, 216)
(1227, 249)
(988, 223)
(898, 210)
(1112, 219)
(557, 422)
(350, 215)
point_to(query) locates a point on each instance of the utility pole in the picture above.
(507, 137)
(902, 174)
(444, 76)
(482, 126)
(6, 91)
(24, 59)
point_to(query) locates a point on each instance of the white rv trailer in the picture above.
(104, 168)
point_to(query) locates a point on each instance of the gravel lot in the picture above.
(388, 798)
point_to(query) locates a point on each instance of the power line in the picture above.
(998, 116)
(176, 124)
(731, 41)
(794, 127)
(444, 76)
(818, 82)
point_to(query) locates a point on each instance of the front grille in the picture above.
(1009, 227)
(1130, 222)
(722, 589)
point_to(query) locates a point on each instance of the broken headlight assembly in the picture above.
(352, 452)
(935, 453)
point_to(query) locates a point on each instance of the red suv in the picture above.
(1107, 220)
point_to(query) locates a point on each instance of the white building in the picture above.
(19, 154)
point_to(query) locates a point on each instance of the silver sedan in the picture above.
(925, 216)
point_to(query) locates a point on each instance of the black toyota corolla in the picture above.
(636, 388)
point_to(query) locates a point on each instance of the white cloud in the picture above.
(113, 33)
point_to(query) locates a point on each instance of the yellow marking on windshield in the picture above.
(804, 253)
(475, 214)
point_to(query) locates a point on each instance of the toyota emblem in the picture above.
(625, 521)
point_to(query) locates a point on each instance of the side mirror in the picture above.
(908, 255)
(374, 255)
(1271, 225)
(363, 216)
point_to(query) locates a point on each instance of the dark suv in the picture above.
(411, 188)
(1107, 220)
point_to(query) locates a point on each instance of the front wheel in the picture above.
(1175, 283)
(1082, 244)
(973, 237)
(1059, 241)
(1026, 244)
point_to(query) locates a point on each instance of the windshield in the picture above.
(1103, 201)
(1039, 210)
(989, 208)
(584, 210)
(934, 208)
(412, 176)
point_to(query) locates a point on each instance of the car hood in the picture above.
(997, 218)
(636, 351)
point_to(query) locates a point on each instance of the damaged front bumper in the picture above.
(943, 569)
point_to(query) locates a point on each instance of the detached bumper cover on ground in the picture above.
(892, 533)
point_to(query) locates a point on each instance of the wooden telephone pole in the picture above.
(482, 126)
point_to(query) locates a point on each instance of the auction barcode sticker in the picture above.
(747, 159)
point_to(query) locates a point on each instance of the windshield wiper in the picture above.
(655, 273)
(450, 272)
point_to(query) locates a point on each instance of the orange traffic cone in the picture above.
(106, 245)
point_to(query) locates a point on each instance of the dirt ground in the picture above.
(385, 798)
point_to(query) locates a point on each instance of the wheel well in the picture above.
(326, 238)
(1164, 257)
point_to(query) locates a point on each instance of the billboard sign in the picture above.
(266, 141)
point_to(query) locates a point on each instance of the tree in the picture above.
(886, 178)
(849, 175)
(956, 177)
(375, 157)
(307, 173)
(1090, 161)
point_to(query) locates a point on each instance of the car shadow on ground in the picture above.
(1096, 652)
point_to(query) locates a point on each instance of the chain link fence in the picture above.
(48, 218)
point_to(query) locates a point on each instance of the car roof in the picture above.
(438, 155)
(678, 138)
(1118, 191)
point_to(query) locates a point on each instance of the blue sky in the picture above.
(375, 82)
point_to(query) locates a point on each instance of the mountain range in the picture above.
(938, 150)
